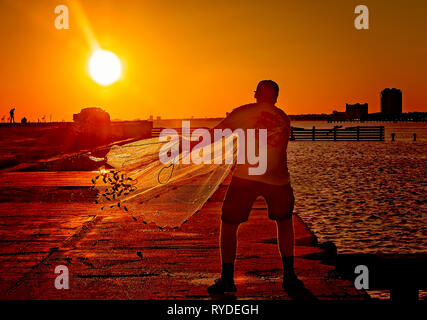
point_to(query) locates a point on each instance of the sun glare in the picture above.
(105, 67)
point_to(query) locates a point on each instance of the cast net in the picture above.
(164, 194)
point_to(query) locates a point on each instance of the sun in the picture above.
(105, 67)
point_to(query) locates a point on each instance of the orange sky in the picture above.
(203, 58)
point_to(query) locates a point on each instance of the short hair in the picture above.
(267, 90)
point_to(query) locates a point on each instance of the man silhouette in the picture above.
(273, 185)
(12, 115)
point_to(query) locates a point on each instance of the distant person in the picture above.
(12, 115)
(273, 185)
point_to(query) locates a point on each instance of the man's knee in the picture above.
(227, 226)
(233, 218)
(285, 222)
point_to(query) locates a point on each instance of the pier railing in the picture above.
(360, 133)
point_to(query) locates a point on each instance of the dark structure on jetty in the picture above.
(91, 129)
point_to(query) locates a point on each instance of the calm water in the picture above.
(364, 196)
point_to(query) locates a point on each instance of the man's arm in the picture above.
(226, 123)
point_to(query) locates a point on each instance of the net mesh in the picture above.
(163, 194)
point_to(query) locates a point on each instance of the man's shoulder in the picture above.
(282, 114)
(280, 110)
(255, 108)
(245, 107)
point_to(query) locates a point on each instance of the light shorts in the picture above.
(242, 193)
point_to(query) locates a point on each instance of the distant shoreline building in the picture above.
(391, 102)
(391, 110)
(356, 111)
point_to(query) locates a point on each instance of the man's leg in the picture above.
(228, 250)
(235, 210)
(228, 240)
(285, 237)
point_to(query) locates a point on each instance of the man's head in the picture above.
(267, 91)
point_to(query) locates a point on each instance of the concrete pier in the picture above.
(49, 219)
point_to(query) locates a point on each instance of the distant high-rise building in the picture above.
(356, 111)
(391, 102)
